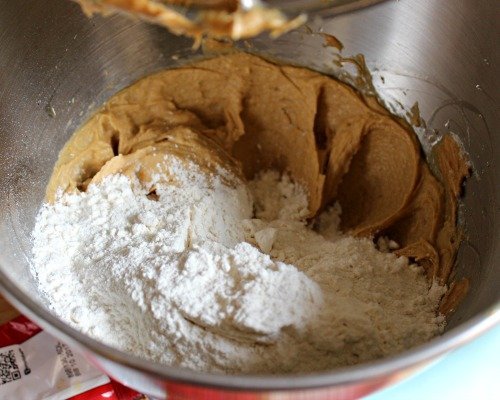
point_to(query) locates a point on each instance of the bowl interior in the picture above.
(57, 67)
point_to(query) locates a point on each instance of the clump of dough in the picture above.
(248, 113)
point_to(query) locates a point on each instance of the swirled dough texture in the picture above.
(248, 114)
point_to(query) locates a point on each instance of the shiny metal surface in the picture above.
(57, 67)
(327, 7)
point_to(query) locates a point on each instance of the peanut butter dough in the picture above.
(239, 109)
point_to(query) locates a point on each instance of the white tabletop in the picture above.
(469, 373)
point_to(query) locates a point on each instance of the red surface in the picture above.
(17, 331)
(104, 392)
(125, 393)
(186, 392)
(109, 391)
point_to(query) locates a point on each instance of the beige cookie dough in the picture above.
(249, 115)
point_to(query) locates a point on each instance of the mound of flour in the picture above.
(225, 278)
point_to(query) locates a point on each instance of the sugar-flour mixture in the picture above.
(190, 278)
(240, 216)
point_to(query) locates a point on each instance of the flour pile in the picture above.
(215, 274)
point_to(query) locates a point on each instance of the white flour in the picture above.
(192, 280)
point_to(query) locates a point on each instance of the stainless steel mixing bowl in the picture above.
(57, 67)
